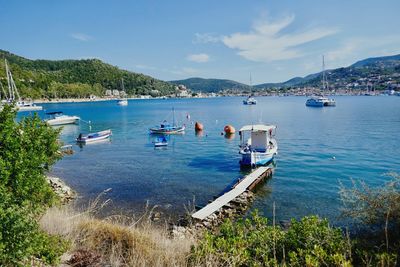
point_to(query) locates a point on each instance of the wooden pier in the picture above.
(249, 182)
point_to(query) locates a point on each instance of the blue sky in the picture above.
(231, 39)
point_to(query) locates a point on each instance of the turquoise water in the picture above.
(361, 133)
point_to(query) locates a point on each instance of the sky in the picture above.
(269, 41)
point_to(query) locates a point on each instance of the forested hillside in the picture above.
(75, 78)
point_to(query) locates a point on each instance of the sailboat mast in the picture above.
(173, 116)
(8, 81)
(324, 81)
(251, 85)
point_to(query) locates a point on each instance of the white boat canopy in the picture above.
(257, 128)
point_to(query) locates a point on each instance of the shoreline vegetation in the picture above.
(83, 80)
(37, 230)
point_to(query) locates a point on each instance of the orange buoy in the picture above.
(229, 129)
(198, 126)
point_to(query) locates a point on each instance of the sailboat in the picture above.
(250, 99)
(13, 94)
(166, 128)
(321, 101)
(123, 101)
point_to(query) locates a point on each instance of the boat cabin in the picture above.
(256, 137)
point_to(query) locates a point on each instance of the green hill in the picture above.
(76, 78)
(377, 71)
(212, 85)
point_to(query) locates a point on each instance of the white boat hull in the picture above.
(63, 121)
(122, 102)
(254, 158)
(175, 130)
(29, 108)
(101, 136)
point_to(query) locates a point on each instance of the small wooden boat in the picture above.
(166, 128)
(93, 137)
(260, 148)
(161, 142)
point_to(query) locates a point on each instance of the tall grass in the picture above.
(118, 240)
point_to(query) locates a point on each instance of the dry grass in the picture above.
(121, 241)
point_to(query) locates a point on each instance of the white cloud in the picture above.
(203, 38)
(81, 37)
(199, 58)
(357, 48)
(265, 42)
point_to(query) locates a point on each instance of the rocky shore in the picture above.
(65, 192)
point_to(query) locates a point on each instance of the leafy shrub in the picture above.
(254, 242)
(27, 149)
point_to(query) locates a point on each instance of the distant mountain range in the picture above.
(377, 66)
(76, 78)
(81, 78)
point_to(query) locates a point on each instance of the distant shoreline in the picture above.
(82, 100)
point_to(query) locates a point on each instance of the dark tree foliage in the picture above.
(76, 78)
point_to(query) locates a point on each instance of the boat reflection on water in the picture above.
(199, 133)
(229, 136)
(69, 129)
(102, 142)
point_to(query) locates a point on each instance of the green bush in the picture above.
(27, 149)
(254, 242)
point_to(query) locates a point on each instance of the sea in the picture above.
(320, 150)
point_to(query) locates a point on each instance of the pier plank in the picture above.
(230, 195)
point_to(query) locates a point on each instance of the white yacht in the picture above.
(123, 101)
(58, 118)
(320, 101)
(250, 99)
(13, 94)
(257, 144)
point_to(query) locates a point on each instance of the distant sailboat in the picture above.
(123, 101)
(250, 99)
(13, 94)
(321, 101)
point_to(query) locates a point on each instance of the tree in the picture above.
(27, 149)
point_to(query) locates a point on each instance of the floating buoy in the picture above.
(229, 129)
(198, 126)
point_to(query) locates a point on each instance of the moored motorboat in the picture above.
(58, 118)
(166, 128)
(260, 147)
(250, 101)
(320, 101)
(93, 137)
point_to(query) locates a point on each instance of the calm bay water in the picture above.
(362, 133)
